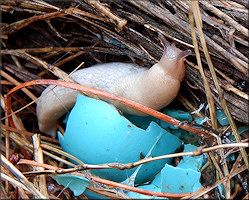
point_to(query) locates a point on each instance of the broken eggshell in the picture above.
(96, 133)
(186, 176)
(181, 179)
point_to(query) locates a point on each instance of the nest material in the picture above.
(60, 35)
(128, 31)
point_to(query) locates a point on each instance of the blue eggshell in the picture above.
(141, 121)
(150, 187)
(199, 120)
(222, 118)
(192, 162)
(92, 195)
(242, 129)
(177, 114)
(157, 180)
(178, 180)
(183, 178)
(77, 184)
(96, 133)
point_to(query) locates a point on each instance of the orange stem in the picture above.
(8, 128)
(110, 183)
(101, 93)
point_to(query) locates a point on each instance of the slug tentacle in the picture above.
(172, 60)
(171, 52)
(184, 54)
(164, 41)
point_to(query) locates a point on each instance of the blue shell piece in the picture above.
(150, 187)
(185, 177)
(96, 133)
(178, 180)
(181, 179)
(92, 195)
(199, 120)
(192, 162)
(222, 118)
(177, 114)
(77, 184)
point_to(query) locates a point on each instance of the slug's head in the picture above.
(172, 61)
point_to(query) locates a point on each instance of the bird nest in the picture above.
(44, 39)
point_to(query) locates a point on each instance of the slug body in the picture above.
(153, 87)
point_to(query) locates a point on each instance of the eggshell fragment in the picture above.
(181, 179)
(221, 117)
(96, 133)
(77, 184)
(150, 187)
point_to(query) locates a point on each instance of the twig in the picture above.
(69, 58)
(225, 17)
(233, 89)
(121, 166)
(49, 139)
(180, 25)
(40, 181)
(13, 181)
(63, 153)
(238, 108)
(231, 49)
(96, 4)
(22, 178)
(16, 26)
(220, 92)
(206, 86)
(25, 90)
(110, 183)
(197, 194)
(114, 51)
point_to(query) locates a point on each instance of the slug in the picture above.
(153, 87)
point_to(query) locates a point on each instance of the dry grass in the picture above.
(50, 40)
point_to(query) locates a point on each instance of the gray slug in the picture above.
(153, 87)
